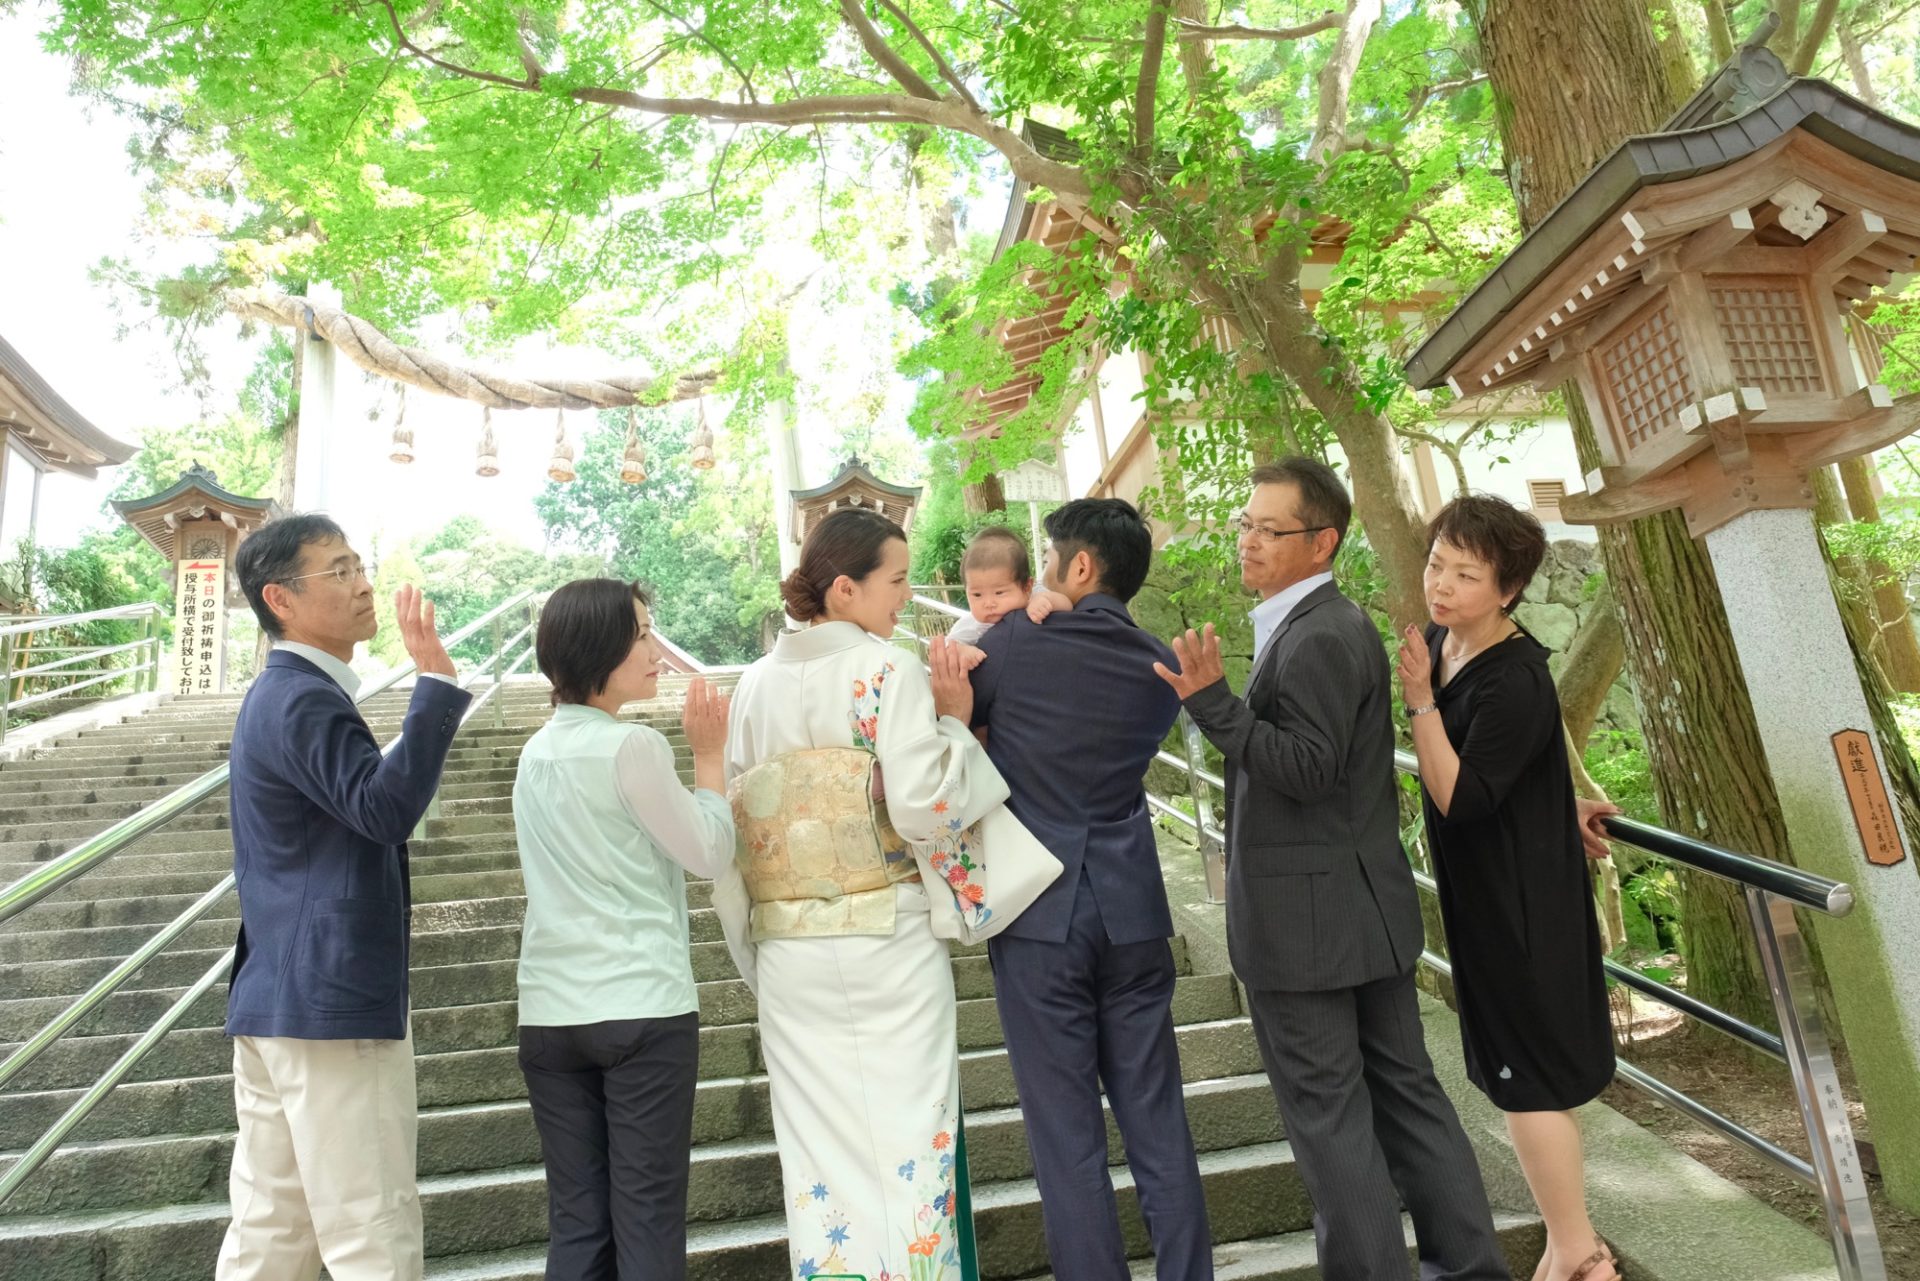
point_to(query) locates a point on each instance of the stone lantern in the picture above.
(1694, 293)
(197, 525)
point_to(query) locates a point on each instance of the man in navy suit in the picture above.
(323, 1169)
(1084, 977)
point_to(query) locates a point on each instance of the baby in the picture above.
(999, 578)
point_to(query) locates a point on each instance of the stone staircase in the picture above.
(140, 1189)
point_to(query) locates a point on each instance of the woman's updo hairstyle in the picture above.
(849, 541)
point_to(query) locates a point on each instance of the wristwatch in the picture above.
(1423, 710)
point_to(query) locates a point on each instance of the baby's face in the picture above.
(992, 594)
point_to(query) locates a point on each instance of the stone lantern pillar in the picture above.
(1694, 292)
(198, 526)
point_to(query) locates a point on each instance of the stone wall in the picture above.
(1557, 604)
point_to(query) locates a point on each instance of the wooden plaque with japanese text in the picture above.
(1867, 790)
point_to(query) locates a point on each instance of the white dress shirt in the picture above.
(1271, 612)
(343, 676)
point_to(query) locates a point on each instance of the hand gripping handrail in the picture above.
(21, 1058)
(97, 849)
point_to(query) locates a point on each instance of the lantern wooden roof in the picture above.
(197, 495)
(855, 486)
(43, 422)
(1695, 288)
(1728, 196)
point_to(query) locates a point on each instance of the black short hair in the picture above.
(1511, 541)
(271, 554)
(1113, 533)
(587, 628)
(997, 547)
(1323, 499)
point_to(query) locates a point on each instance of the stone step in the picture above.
(71, 908)
(80, 1057)
(153, 858)
(723, 999)
(1214, 1039)
(1293, 1256)
(735, 1166)
(1251, 1191)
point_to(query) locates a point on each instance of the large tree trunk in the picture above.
(1572, 80)
(1593, 661)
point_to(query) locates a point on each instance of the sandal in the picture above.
(1601, 1254)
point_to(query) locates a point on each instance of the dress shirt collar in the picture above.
(1271, 612)
(339, 672)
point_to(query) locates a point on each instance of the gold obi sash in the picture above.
(815, 848)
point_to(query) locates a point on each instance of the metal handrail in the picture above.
(31, 1049)
(97, 849)
(49, 622)
(1772, 890)
(145, 673)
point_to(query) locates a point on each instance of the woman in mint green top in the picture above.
(609, 1018)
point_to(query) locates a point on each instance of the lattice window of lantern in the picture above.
(1769, 336)
(1647, 372)
(1544, 497)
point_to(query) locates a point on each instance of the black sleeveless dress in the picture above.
(1513, 887)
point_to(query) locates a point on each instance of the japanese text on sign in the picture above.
(1867, 792)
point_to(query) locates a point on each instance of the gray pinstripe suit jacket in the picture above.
(1319, 892)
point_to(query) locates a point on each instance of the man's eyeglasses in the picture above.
(1245, 526)
(343, 574)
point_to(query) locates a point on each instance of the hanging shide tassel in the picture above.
(702, 453)
(633, 462)
(402, 451)
(489, 461)
(560, 467)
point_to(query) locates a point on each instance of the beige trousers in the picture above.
(323, 1170)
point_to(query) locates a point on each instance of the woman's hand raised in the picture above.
(704, 717)
(952, 691)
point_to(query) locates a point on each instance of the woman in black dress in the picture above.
(1507, 853)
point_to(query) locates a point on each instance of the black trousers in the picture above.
(614, 1106)
(1371, 1130)
(1079, 1016)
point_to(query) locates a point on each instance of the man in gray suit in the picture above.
(1323, 925)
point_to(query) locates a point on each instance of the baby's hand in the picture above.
(971, 656)
(1045, 602)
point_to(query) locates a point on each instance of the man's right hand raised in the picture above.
(1199, 656)
(414, 613)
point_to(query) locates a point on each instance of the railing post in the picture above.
(6, 685)
(1816, 1086)
(151, 635)
(1213, 857)
(499, 672)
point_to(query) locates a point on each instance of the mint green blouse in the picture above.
(607, 833)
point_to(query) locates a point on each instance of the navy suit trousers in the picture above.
(1077, 1016)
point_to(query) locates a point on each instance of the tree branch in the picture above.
(1190, 30)
(1149, 81)
(883, 53)
(528, 59)
(1336, 78)
(1719, 32)
(473, 73)
(947, 72)
(1817, 28)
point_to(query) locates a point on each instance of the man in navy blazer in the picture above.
(323, 1169)
(1084, 977)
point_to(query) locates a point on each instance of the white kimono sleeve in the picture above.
(936, 774)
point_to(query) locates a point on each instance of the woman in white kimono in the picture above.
(856, 1001)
